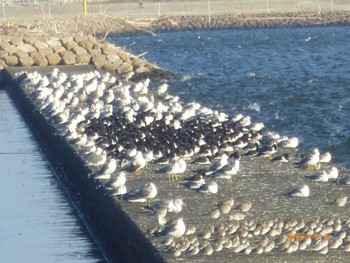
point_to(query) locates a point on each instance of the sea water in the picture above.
(295, 80)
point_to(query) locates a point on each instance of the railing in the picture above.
(57, 9)
(44, 2)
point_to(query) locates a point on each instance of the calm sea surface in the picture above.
(37, 221)
(297, 81)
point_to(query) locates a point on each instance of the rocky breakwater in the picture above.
(253, 20)
(75, 50)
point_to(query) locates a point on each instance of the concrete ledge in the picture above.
(119, 238)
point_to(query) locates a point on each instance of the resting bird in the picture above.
(299, 191)
(141, 194)
(175, 228)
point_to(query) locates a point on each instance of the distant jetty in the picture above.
(103, 25)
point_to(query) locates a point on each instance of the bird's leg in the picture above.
(309, 167)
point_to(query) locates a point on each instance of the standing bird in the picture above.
(227, 171)
(268, 150)
(135, 164)
(218, 164)
(173, 169)
(312, 161)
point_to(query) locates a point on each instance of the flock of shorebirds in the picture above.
(119, 128)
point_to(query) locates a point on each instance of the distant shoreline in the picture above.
(249, 21)
(104, 25)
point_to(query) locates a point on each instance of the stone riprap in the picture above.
(29, 51)
(248, 21)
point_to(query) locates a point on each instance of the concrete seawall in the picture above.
(125, 230)
(119, 237)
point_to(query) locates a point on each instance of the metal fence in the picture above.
(44, 2)
(57, 9)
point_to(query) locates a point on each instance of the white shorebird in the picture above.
(95, 158)
(237, 117)
(173, 169)
(325, 158)
(172, 205)
(141, 194)
(194, 182)
(290, 143)
(318, 177)
(228, 170)
(105, 172)
(312, 161)
(160, 216)
(162, 89)
(332, 172)
(175, 228)
(116, 181)
(245, 121)
(135, 164)
(256, 127)
(119, 191)
(218, 164)
(210, 188)
(300, 191)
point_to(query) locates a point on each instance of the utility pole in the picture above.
(85, 7)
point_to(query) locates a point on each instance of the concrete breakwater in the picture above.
(246, 217)
(78, 50)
